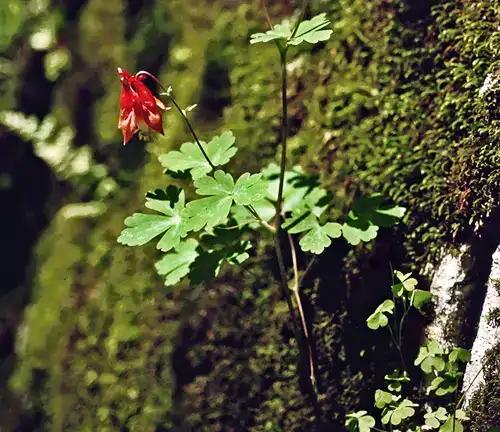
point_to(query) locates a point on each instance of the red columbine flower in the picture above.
(140, 110)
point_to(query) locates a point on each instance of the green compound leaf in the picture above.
(430, 357)
(408, 283)
(220, 184)
(144, 227)
(360, 422)
(222, 191)
(355, 235)
(396, 380)
(201, 260)
(433, 419)
(379, 318)
(249, 189)
(372, 209)
(213, 210)
(420, 297)
(383, 398)
(402, 411)
(452, 425)
(175, 265)
(215, 248)
(312, 31)
(317, 236)
(446, 384)
(302, 194)
(459, 354)
(301, 191)
(280, 31)
(367, 215)
(219, 150)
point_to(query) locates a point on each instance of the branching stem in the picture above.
(296, 292)
(168, 92)
(283, 49)
(181, 111)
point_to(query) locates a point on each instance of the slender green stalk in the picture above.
(284, 137)
(279, 203)
(256, 215)
(308, 268)
(168, 93)
(181, 111)
(397, 346)
(301, 17)
(278, 220)
(188, 123)
(398, 328)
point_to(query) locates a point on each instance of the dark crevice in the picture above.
(472, 290)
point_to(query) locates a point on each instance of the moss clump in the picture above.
(484, 409)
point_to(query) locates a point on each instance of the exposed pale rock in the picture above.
(487, 335)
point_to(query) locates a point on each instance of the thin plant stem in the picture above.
(257, 216)
(266, 13)
(397, 346)
(188, 123)
(285, 291)
(301, 17)
(284, 287)
(306, 271)
(193, 133)
(181, 111)
(401, 323)
(279, 208)
(284, 138)
(295, 290)
(398, 328)
(254, 213)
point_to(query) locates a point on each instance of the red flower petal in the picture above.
(127, 124)
(139, 108)
(152, 114)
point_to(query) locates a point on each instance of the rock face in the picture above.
(444, 287)
(488, 333)
(447, 285)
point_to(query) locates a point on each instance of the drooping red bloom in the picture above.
(139, 109)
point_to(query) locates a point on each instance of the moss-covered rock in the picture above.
(391, 104)
(484, 408)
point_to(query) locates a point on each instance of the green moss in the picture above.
(484, 408)
(388, 105)
(97, 340)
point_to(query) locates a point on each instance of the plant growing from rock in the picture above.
(442, 368)
(198, 236)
